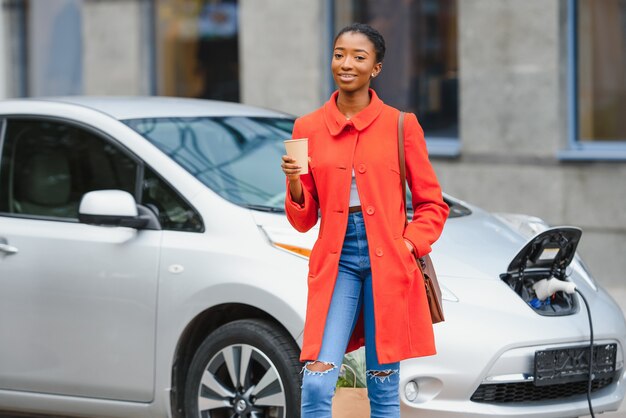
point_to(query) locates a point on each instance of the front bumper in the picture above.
(430, 404)
(608, 399)
(487, 343)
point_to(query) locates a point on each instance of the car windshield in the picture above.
(237, 157)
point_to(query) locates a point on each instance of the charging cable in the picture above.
(546, 288)
(590, 352)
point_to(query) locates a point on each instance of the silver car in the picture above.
(147, 270)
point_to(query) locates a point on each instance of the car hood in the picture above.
(479, 245)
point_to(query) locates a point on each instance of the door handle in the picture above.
(6, 248)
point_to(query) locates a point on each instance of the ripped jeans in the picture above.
(353, 289)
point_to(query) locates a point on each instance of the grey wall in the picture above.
(513, 112)
(5, 67)
(512, 92)
(115, 59)
(510, 104)
(513, 99)
(55, 48)
(283, 54)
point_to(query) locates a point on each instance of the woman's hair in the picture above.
(372, 34)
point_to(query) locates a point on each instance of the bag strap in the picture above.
(401, 161)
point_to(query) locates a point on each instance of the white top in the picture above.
(354, 194)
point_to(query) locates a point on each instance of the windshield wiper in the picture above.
(264, 208)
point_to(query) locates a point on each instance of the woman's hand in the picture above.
(292, 171)
(409, 245)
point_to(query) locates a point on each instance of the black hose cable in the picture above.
(590, 378)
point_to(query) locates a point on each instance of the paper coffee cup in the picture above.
(298, 149)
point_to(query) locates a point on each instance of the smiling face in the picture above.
(354, 62)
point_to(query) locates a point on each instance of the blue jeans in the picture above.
(353, 289)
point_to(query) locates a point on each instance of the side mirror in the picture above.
(111, 208)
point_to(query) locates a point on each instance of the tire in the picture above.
(245, 369)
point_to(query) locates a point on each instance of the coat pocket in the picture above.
(407, 257)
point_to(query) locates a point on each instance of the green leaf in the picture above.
(342, 382)
(355, 360)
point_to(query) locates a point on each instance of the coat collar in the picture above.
(336, 121)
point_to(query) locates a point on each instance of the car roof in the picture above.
(136, 107)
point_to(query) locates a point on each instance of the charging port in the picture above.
(545, 256)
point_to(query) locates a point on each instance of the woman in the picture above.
(363, 278)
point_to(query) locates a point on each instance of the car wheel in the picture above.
(246, 369)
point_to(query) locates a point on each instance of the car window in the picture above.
(173, 211)
(237, 157)
(47, 166)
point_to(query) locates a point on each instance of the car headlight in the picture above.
(304, 252)
(275, 236)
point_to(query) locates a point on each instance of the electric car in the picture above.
(147, 270)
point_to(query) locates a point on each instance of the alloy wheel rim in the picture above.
(240, 381)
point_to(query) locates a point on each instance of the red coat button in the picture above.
(379, 252)
(362, 168)
(370, 210)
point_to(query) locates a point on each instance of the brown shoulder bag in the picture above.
(433, 291)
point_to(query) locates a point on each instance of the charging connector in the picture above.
(547, 287)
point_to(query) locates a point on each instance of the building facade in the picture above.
(523, 102)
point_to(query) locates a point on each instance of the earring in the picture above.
(373, 75)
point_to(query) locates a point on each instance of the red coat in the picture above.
(368, 142)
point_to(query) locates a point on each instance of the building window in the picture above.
(12, 49)
(597, 71)
(197, 49)
(45, 48)
(55, 48)
(601, 63)
(421, 68)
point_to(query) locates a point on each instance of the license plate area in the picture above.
(571, 364)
